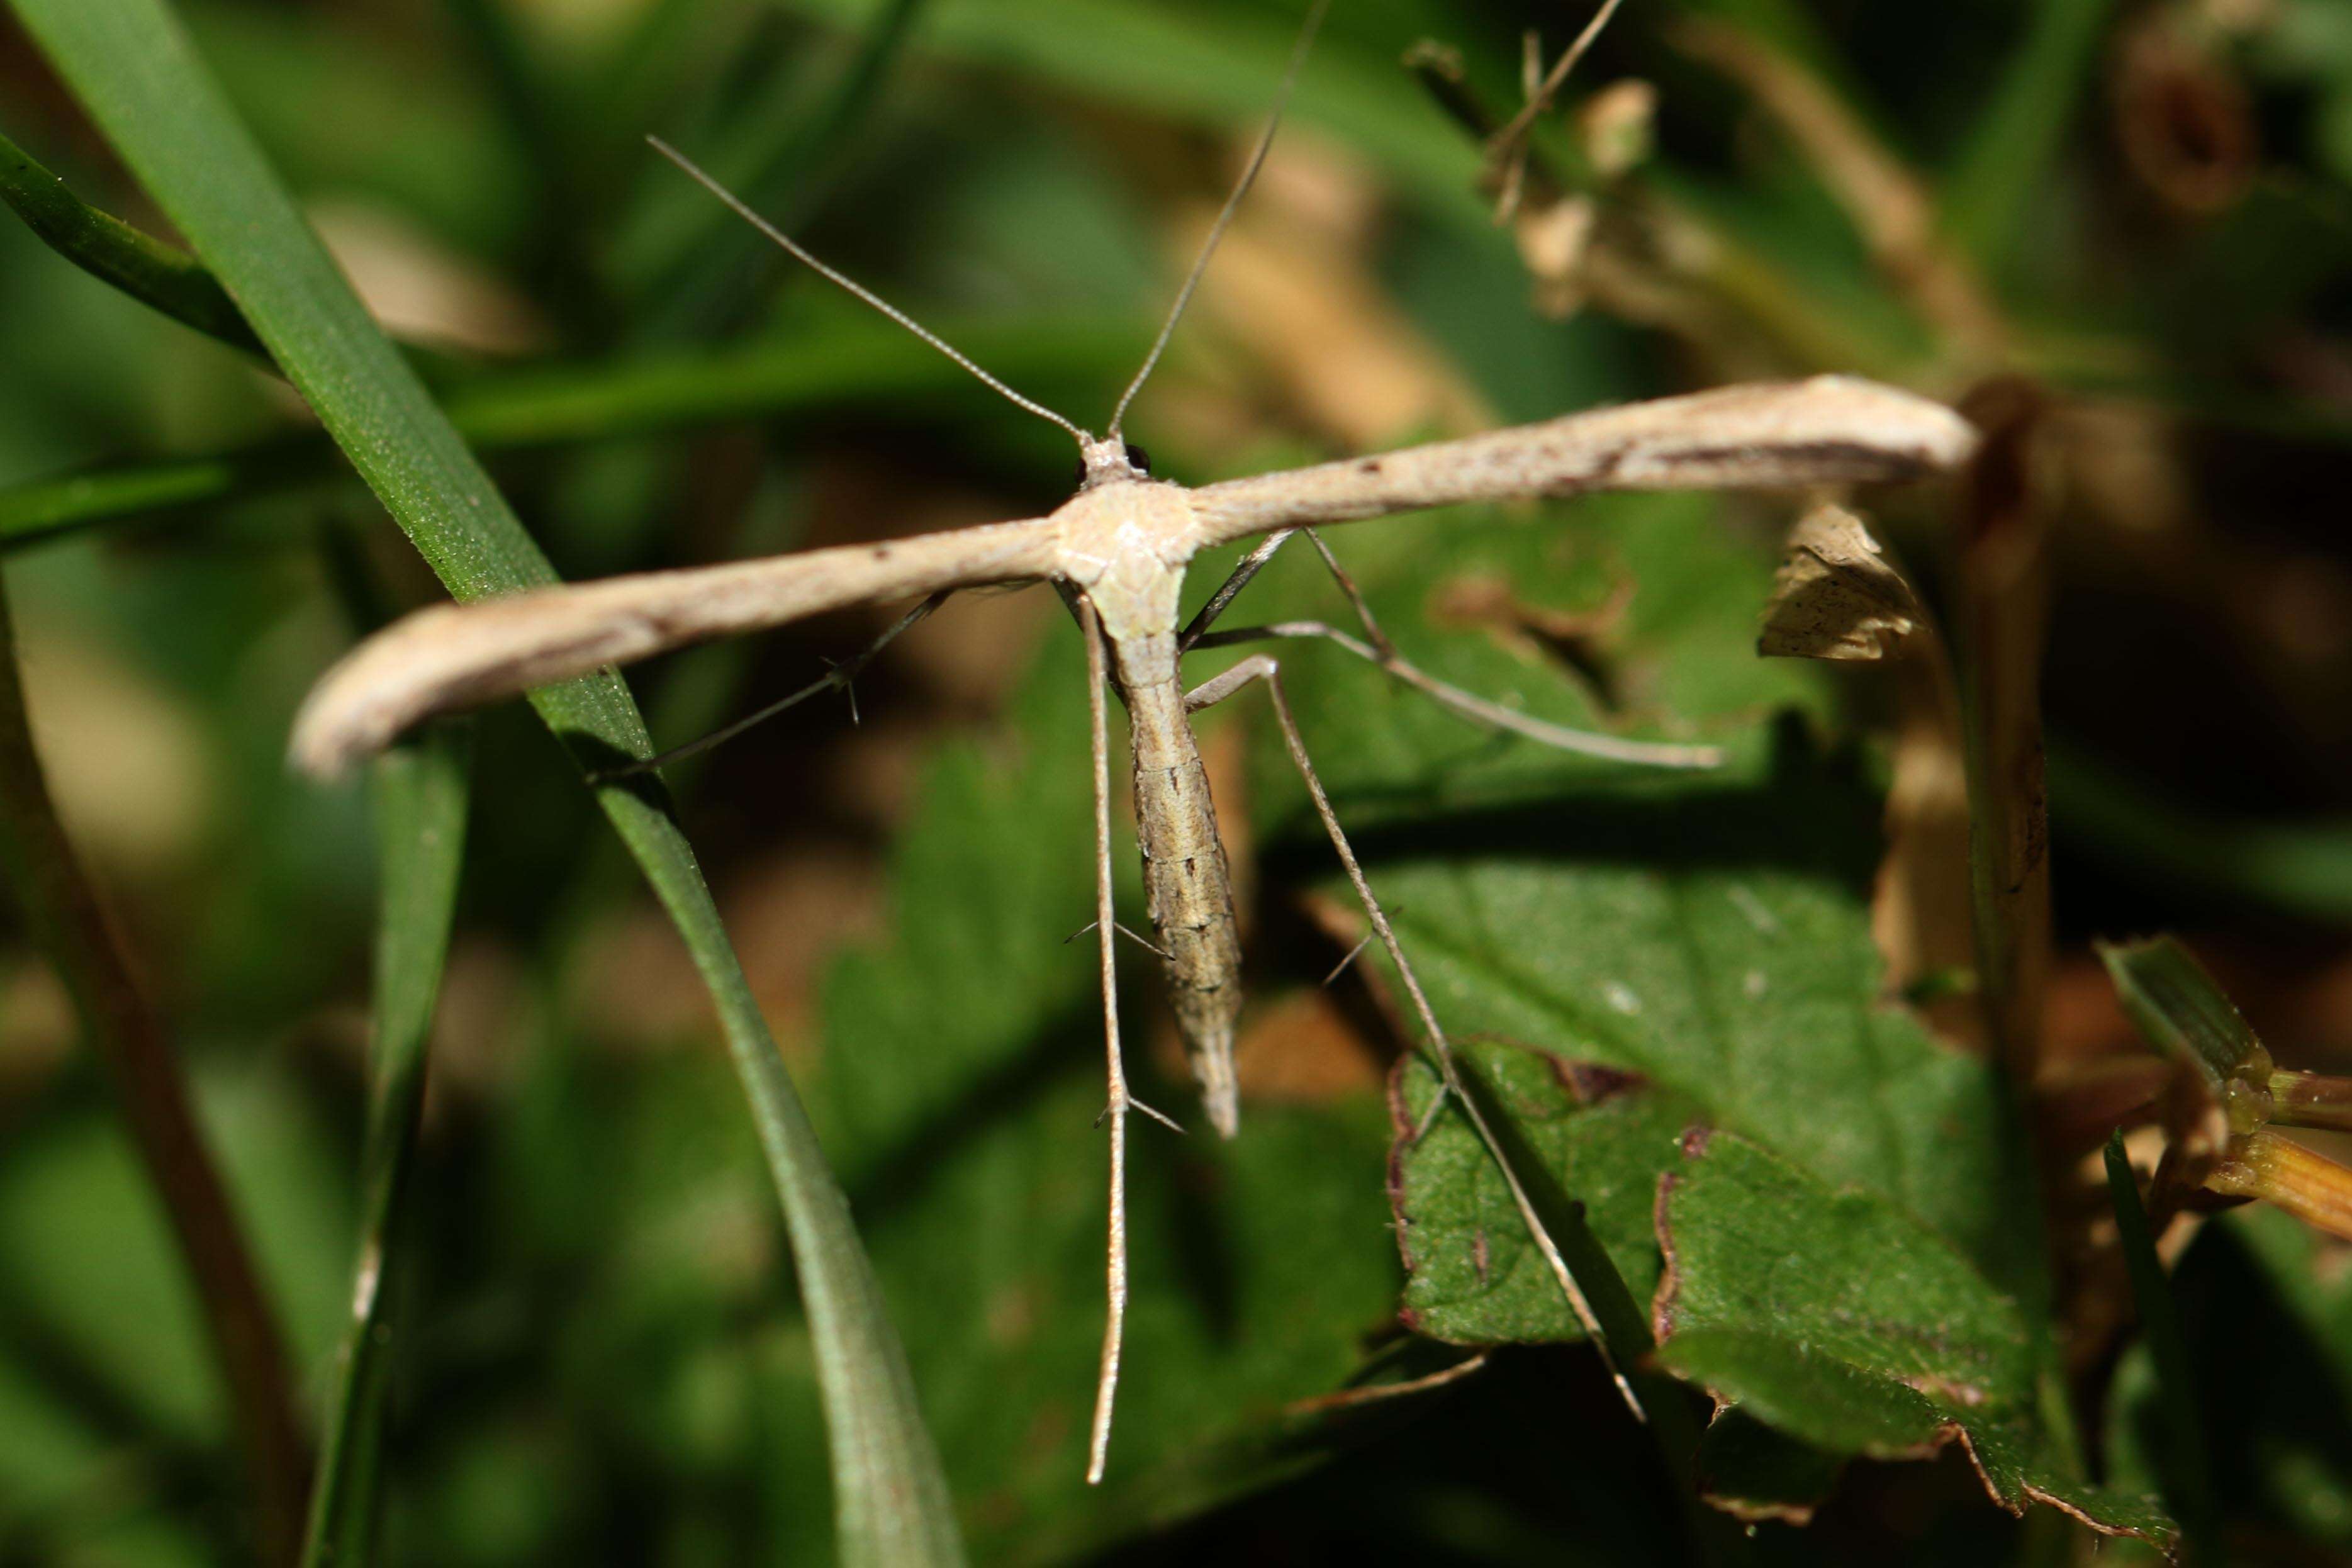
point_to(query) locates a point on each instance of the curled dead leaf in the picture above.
(1836, 595)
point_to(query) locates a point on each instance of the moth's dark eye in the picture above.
(1137, 459)
(1079, 472)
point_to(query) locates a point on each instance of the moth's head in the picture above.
(1109, 461)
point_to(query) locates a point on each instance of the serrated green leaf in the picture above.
(1472, 1275)
(1753, 1471)
(1707, 931)
(1780, 1379)
(1840, 1320)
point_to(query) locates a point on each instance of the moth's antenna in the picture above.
(852, 286)
(1226, 217)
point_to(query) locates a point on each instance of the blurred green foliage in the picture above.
(601, 1352)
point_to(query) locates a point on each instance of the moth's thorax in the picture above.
(1126, 544)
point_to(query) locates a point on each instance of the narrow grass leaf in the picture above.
(136, 72)
(837, 363)
(420, 804)
(1839, 1320)
(2191, 1469)
(155, 274)
(2004, 163)
(2177, 1005)
(2299, 868)
(687, 255)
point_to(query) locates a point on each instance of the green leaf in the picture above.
(420, 802)
(1708, 931)
(140, 79)
(156, 274)
(1702, 937)
(1838, 1319)
(687, 255)
(1215, 65)
(1472, 1276)
(1753, 1471)
(2180, 1009)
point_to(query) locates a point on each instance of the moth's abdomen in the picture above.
(1191, 900)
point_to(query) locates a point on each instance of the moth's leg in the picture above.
(1374, 648)
(1249, 567)
(1477, 709)
(1266, 667)
(836, 679)
(1145, 942)
(1115, 1322)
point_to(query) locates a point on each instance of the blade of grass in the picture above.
(62, 911)
(1794, 31)
(158, 274)
(2300, 868)
(690, 258)
(562, 206)
(2181, 1009)
(2005, 159)
(843, 363)
(2189, 1493)
(420, 809)
(136, 73)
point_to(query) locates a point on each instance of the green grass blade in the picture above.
(841, 363)
(2003, 162)
(420, 806)
(133, 69)
(2179, 1007)
(2190, 1495)
(111, 251)
(63, 915)
(2299, 868)
(691, 258)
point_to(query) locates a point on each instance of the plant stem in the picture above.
(68, 921)
(2000, 622)
(2311, 1099)
(2306, 1184)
